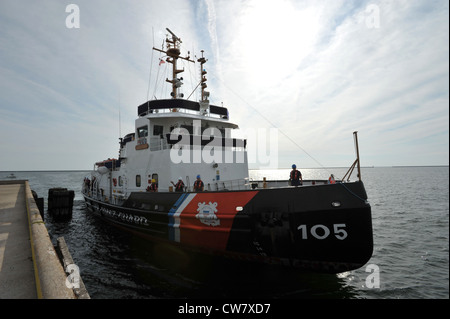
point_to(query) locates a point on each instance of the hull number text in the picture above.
(322, 231)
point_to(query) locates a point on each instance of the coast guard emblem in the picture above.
(206, 214)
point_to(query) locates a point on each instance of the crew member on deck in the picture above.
(198, 185)
(295, 176)
(331, 180)
(179, 186)
(153, 187)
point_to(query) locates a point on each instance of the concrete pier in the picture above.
(29, 265)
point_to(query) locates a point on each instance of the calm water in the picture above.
(410, 208)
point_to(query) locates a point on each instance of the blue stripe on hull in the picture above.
(172, 212)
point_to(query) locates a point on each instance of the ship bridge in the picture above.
(184, 106)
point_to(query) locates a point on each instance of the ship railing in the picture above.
(236, 184)
(258, 184)
(159, 144)
(93, 190)
(169, 110)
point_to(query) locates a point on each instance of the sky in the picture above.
(298, 77)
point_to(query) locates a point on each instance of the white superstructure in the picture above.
(175, 138)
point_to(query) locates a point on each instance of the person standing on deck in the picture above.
(295, 177)
(153, 187)
(198, 185)
(179, 186)
(331, 179)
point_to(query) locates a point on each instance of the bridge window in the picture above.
(142, 131)
(158, 130)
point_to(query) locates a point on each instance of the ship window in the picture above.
(142, 131)
(158, 130)
(138, 180)
(120, 181)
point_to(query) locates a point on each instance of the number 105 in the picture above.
(322, 231)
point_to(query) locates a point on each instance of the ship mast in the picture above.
(203, 72)
(173, 52)
(204, 102)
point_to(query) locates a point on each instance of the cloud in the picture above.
(317, 71)
(63, 87)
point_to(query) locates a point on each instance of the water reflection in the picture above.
(166, 271)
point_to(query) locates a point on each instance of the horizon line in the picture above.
(250, 169)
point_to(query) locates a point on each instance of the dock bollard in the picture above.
(60, 202)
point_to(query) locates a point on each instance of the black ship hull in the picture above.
(322, 228)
